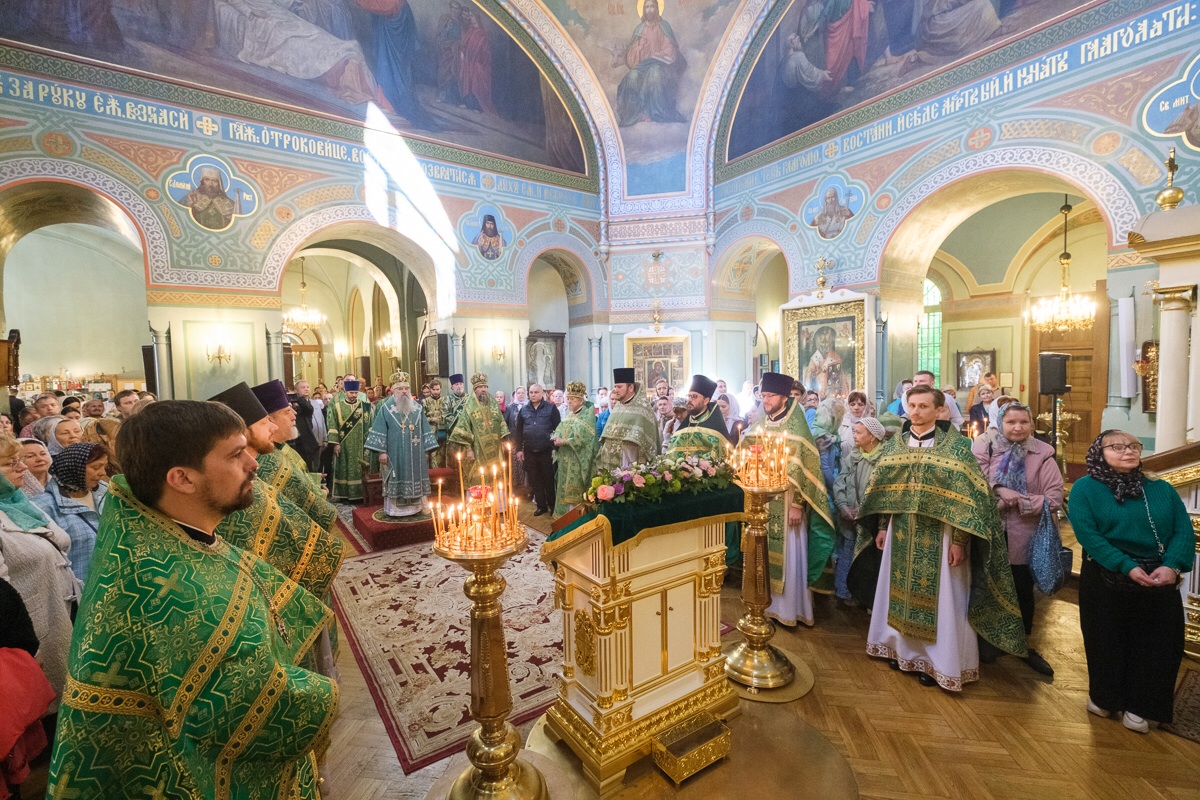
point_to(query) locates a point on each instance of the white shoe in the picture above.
(1135, 723)
(1097, 710)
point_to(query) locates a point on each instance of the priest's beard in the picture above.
(405, 404)
(227, 505)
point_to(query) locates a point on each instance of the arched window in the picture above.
(929, 336)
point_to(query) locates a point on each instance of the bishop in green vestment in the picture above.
(349, 420)
(800, 527)
(183, 675)
(945, 575)
(704, 434)
(402, 436)
(575, 447)
(631, 434)
(478, 429)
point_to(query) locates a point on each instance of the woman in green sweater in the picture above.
(1137, 540)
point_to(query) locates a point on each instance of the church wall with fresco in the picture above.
(226, 186)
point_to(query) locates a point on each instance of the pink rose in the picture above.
(666, 476)
(639, 481)
(605, 492)
(711, 472)
(705, 464)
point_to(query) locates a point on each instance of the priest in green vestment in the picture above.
(704, 433)
(276, 468)
(349, 420)
(575, 447)
(402, 436)
(273, 527)
(631, 434)
(800, 526)
(945, 575)
(478, 430)
(454, 405)
(437, 409)
(183, 675)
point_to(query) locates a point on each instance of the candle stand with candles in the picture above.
(480, 534)
(762, 475)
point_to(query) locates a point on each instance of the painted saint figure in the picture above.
(210, 203)
(823, 372)
(650, 90)
(489, 240)
(833, 215)
(475, 69)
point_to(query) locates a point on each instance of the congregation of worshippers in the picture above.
(177, 557)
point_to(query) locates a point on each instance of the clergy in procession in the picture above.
(800, 528)
(437, 410)
(402, 436)
(273, 527)
(349, 419)
(454, 404)
(478, 430)
(945, 575)
(575, 448)
(704, 433)
(183, 669)
(631, 434)
(281, 467)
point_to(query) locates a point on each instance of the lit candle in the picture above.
(462, 487)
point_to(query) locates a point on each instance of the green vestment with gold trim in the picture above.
(632, 423)
(923, 489)
(574, 457)
(478, 429)
(277, 530)
(807, 487)
(183, 678)
(704, 436)
(348, 424)
(276, 470)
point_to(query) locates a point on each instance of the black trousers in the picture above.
(1023, 579)
(539, 472)
(1134, 645)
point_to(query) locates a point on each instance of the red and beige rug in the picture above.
(407, 621)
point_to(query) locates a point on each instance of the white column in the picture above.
(1174, 324)
(162, 362)
(519, 365)
(274, 355)
(594, 363)
(456, 365)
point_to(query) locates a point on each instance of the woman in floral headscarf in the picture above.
(1026, 481)
(1137, 539)
(74, 498)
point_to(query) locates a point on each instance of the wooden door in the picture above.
(1087, 374)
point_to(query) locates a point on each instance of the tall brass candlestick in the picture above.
(754, 662)
(496, 773)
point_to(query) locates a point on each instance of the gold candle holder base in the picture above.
(754, 662)
(496, 773)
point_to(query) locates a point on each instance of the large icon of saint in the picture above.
(210, 203)
(489, 240)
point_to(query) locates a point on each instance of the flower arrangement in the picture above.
(648, 483)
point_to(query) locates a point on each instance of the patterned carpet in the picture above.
(1187, 707)
(407, 622)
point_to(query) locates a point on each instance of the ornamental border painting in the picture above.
(545, 359)
(971, 365)
(660, 356)
(830, 367)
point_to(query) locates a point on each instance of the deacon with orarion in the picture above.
(184, 677)
(402, 436)
(800, 522)
(349, 420)
(945, 575)
(631, 434)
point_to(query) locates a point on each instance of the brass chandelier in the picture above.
(298, 319)
(1065, 311)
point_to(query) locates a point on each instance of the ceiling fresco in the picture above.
(439, 70)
